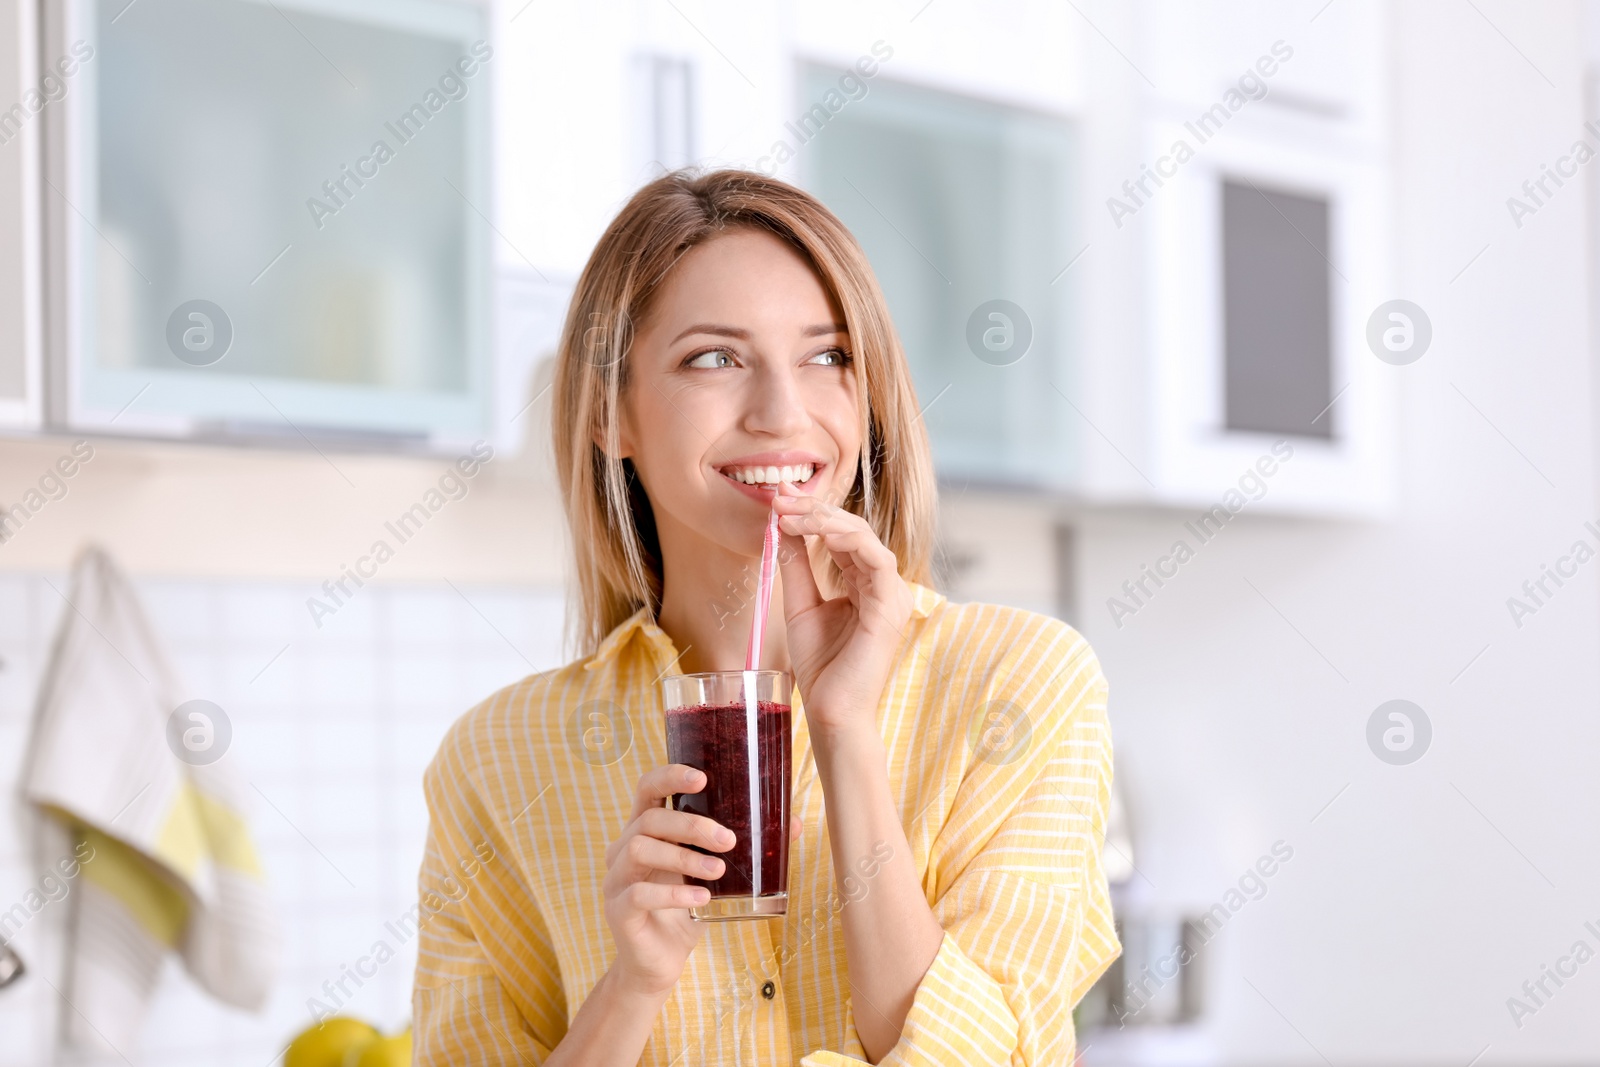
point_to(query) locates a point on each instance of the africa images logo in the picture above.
(453, 86)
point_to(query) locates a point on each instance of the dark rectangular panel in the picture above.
(1276, 316)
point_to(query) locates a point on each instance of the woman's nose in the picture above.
(776, 406)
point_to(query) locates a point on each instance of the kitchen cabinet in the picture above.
(24, 93)
(271, 220)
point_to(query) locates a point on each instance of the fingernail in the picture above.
(725, 836)
(700, 896)
(695, 777)
(710, 866)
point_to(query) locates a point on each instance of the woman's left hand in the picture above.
(842, 649)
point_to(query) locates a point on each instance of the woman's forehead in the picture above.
(744, 279)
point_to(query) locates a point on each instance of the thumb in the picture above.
(800, 592)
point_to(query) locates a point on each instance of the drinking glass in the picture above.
(734, 727)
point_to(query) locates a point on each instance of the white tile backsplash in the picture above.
(265, 613)
(330, 739)
(439, 617)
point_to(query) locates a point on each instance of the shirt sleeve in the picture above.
(1026, 916)
(478, 921)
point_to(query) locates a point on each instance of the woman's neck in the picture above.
(707, 603)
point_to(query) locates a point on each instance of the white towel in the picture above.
(168, 861)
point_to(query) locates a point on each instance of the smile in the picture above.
(770, 476)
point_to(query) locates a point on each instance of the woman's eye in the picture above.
(711, 360)
(833, 357)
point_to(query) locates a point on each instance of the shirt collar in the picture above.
(642, 625)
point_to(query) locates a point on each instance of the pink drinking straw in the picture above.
(769, 567)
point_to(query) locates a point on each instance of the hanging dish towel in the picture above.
(143, 782)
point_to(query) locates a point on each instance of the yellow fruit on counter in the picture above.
(328, 1044)
(385, 1052)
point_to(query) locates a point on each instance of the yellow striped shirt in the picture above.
(1000, 763)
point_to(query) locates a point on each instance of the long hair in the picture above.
(617, 556)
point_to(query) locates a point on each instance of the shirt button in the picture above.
(768, 990)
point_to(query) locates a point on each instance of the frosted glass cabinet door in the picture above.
(276, 215)
(964, 210)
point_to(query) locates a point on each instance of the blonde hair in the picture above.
(617, 557)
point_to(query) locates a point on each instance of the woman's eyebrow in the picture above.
(719, 330)
(713, 328)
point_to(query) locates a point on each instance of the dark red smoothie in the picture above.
(715, 738)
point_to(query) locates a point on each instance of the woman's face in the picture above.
(739, 376)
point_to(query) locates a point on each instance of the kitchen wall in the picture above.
(1419, 898)
(331, 735)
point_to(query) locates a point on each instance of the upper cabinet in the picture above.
(24, 93)
(1266, 262)
(1129, 247)
(1137, 283)
(966, 210)
(271, 219)
(1303, 58)
(1258, 192)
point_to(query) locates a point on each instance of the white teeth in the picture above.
(795, 475)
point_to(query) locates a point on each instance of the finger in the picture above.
(794, 829)
(867, 568)
(806, 515)
(644, 856)
(656, 896)
(685, 828)
(861, 548)
(802, 514)
(800, 592)
(654, 786)
(658, 783)
(846, 536)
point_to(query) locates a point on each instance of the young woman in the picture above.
(728, 353)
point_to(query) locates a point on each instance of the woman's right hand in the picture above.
(646, 897)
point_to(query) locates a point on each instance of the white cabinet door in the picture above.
(1208, 431)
